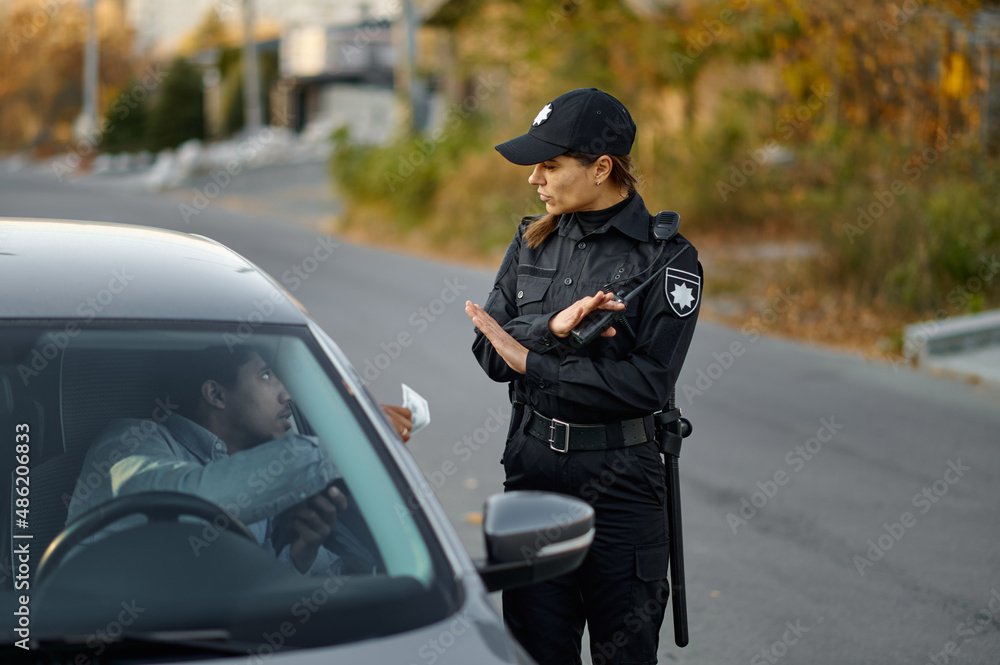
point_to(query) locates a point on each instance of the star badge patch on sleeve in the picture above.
(683, 291)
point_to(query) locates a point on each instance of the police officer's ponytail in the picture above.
(622, 176)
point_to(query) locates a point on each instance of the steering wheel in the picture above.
(155, 506)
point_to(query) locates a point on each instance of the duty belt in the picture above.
(564, 437)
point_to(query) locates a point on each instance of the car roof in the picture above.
(59, 269)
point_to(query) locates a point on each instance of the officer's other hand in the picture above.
(401, 418)
(563, 323)
(513, 352)
(312, 522)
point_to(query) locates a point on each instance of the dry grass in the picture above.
(774, 287)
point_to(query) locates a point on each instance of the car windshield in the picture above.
(185, 525)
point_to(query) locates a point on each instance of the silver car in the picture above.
(94, 318)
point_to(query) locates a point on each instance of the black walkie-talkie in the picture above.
(665, 228)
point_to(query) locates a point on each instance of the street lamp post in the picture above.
(251, 83)
(409, 16)
(87, 122)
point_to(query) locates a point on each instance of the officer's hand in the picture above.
(512, 351)
(401, 418)
(312, 522)
(563, 323)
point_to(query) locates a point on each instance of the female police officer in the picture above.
(582, 420)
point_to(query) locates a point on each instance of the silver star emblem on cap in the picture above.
(543, 115)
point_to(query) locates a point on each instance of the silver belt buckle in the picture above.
(552, 436)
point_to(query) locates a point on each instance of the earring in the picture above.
(598, 182)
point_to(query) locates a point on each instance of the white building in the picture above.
(160, 24)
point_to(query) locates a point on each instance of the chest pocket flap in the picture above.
(531, 290)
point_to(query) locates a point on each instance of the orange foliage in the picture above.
(41, 68)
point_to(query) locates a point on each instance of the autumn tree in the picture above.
(41, 68)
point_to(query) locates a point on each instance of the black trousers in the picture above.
(621, 589)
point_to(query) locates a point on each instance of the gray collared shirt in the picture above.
(179, 455)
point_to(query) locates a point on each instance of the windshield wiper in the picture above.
(214, 641)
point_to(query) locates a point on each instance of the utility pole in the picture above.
(251, 83)
(411, 54)
(87, 122)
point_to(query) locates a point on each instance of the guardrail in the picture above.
(966, 345)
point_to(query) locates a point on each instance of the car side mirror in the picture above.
(533, 536)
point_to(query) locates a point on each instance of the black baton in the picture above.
(671, 430)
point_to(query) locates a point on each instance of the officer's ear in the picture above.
(602, 168)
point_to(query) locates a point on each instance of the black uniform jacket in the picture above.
(613, 378)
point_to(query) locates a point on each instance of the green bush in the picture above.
(912, 227)
(126, 121)
(178, 111)
(902, 226)
(408, 174)
(730, 176)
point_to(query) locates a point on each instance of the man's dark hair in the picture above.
(219, 363)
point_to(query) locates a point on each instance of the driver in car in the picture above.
(230, 442)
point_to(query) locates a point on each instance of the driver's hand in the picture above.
(401, 418)
(312, 523)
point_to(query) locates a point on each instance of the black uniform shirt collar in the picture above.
(633, 221)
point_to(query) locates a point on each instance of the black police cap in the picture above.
(584, 120)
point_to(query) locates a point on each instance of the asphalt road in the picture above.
(836, 511)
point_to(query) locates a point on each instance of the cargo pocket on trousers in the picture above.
(648, 603)
(652, 561)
